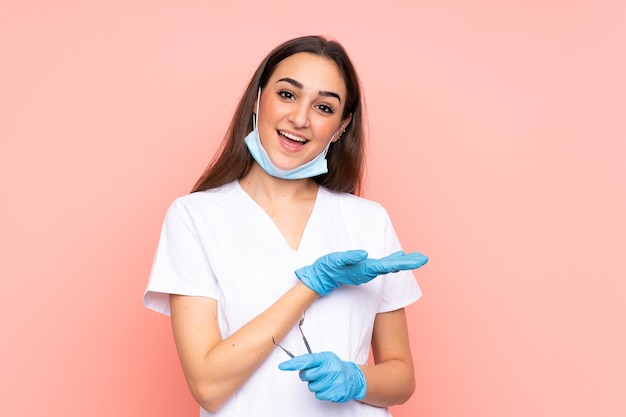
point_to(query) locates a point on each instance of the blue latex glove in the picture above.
(329, 377)
(354, 268)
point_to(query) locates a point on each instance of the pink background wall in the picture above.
(498, 146)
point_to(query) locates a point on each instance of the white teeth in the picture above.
(292, 137)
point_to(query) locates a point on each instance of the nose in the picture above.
(299, 115)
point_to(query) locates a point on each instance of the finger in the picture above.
(299, 363)
(350, 257)
(398, 263)
(416, 259)
(320, 382)
(394, 255)
(329, 395)
(411, 261)
(326, 396)
(311, 374)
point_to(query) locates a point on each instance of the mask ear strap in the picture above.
(325, 151)
(255, 115)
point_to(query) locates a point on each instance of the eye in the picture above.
(326, 108)
(286, 94)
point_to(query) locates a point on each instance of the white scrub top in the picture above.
(220, 244)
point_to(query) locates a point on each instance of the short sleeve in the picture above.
(180, 264)
(401, 288)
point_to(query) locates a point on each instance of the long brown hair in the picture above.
(345, 156)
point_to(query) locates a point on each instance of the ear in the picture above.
(346, 122)
(343, 126)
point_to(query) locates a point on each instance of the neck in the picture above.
(260, 184)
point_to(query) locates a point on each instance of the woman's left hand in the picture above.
(329, 377)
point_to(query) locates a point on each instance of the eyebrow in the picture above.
(299, 85)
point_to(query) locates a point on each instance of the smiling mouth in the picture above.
(292, 137)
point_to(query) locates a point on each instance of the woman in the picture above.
(273, 244)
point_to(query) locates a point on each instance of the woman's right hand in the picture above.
(354, 268)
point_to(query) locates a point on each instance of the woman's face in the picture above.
(300, 110)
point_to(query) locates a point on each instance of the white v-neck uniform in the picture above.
(220, 244)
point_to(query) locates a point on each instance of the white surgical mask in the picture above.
(317, 166)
